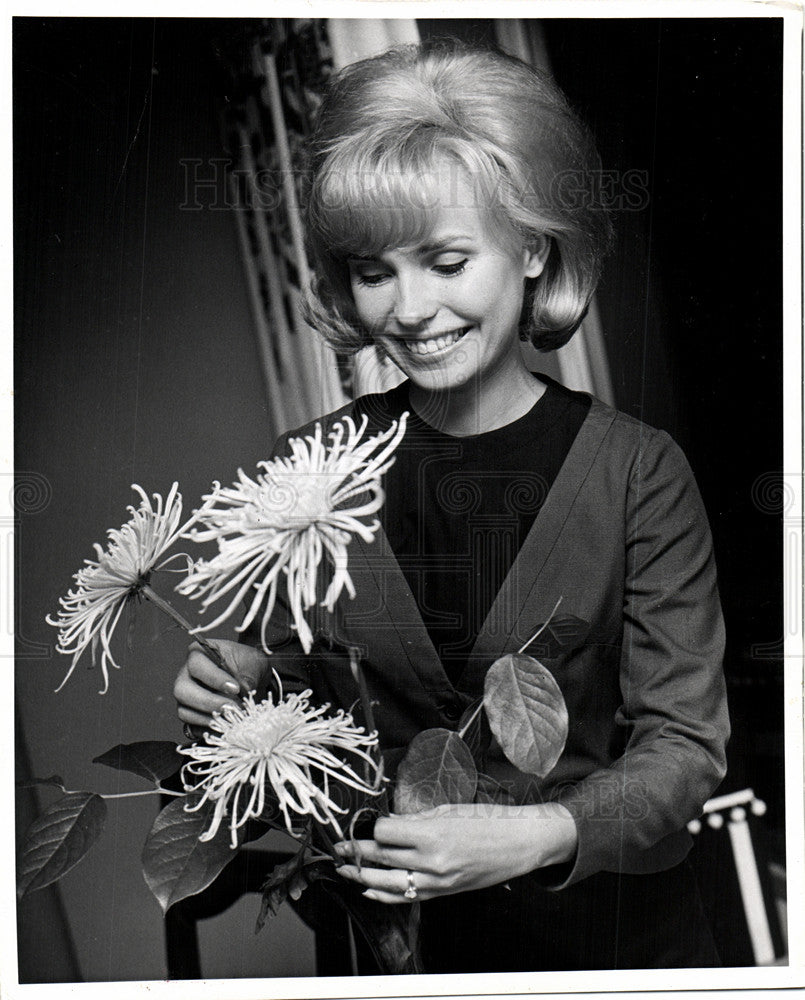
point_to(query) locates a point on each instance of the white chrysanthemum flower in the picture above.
(299, 509)
(92, 610)
(286, 747)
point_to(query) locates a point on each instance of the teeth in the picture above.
(423, 347)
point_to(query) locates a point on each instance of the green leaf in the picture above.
(153, 760)
(176, 864)
(526, 712)
(58, 839)
(437, 769)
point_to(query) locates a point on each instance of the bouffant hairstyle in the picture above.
(384, 124)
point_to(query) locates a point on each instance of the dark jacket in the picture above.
(623, 538)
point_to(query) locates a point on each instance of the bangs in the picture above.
(365, 203)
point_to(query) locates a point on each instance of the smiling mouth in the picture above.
(424, 348)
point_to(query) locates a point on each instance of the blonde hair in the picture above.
(381, 128)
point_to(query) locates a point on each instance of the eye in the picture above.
(367, 274)
(451, 268)
(371, 279)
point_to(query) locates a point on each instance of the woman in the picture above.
(442, 232)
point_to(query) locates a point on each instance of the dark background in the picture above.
(692, 305)
(135, 359)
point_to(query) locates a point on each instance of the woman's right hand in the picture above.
(202, 687)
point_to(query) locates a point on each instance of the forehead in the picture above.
(381, 209)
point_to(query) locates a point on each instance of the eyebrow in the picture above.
(446, 240)
(432, 246)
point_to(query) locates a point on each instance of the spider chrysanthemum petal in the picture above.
(298, 511)
(286, 746)
(90, 612)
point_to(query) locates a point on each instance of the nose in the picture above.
(415, 302)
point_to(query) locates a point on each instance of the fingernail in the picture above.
(340, 847)
(231, 687)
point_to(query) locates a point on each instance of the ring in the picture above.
(410, 892)
(188, 731)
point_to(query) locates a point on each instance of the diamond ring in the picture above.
(410, 892)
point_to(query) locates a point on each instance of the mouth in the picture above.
(435, 346)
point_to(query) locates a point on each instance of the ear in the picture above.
(536, 255)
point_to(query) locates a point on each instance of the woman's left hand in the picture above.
(455, 848)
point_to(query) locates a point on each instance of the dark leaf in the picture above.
(489, 790)
(437, 769)
(390, 931)
(176, 864)
(276, 887)
(290, 879)
(153, 760)
(58, 839)
(526, 711)
(54, 779)
(559, 635)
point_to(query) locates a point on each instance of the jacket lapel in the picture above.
(520, 607)
(383, 617)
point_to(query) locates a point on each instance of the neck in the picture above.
(476, 409)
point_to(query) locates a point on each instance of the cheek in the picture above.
(370, 305)
(490, 300)
(500, 288)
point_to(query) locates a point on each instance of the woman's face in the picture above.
(447, 309)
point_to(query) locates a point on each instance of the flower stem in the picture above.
(353, 948)
(328, 843)
(366, 701)
(471, 719)
(357, 673)
(148, 592)
(541, 629)
(150, 791)
(158, 790)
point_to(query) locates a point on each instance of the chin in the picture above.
(438, 380)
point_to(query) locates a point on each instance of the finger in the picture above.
(251, 668)
(195, 732)
(191, 695)
(201, 668)
(372, 853)
(245, 664)
(391, 880)
(398, 831)
(198, 720)
(387, 897)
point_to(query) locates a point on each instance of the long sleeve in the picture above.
(671, 680)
